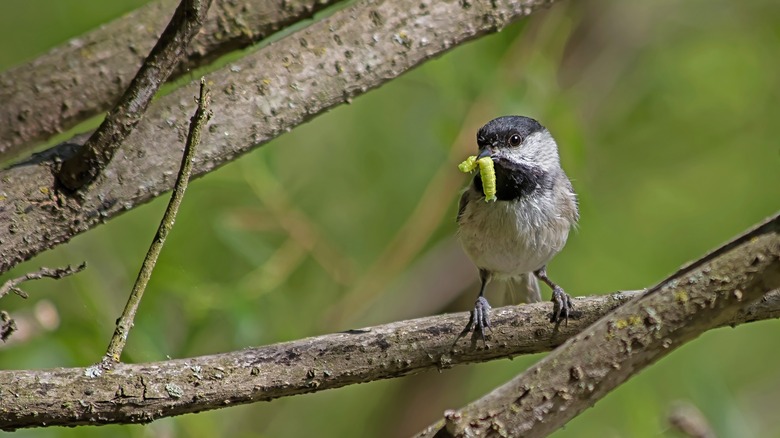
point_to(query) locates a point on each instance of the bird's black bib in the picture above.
(515, 180)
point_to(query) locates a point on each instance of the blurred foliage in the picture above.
(666, 113)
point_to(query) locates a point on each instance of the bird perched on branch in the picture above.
(512, 239)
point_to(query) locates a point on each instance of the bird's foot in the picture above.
(562, 306)
(480, 318)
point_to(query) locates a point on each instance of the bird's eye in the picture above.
(514, 140)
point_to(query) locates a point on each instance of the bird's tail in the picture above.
(522, 289)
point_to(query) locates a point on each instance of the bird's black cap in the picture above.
(497, 131)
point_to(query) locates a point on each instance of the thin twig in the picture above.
(125, 322)
(7, 324)
(12, 285)
(82, 168)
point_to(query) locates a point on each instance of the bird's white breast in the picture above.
(510, 238)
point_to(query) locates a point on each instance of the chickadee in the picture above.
(512, 240)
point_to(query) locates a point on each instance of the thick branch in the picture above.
(705, 294)
(92, 158)
(256, 99)
(145, 392)
(85, 76)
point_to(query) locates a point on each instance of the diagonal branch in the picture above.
(125, 321)
(74, 78)
(92, 158)
(260, 97)
(705, 294)
(145, 392)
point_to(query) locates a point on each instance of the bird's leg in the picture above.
(561, 301)
(480, 316)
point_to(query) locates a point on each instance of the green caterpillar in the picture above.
(486, 172)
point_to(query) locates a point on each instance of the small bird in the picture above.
(512, 240)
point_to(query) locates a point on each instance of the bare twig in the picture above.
(12, 285)
(266, 93)
(8, 325)
(125, 322)
(86, 75)
(700, 296)
(82, 168)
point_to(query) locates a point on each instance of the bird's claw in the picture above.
(562, 306)
(480, 317)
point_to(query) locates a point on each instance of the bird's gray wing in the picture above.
(576, 201)
(464, 201)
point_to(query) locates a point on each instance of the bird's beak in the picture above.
(487, 152)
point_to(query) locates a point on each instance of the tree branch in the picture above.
(263, 95)
(703, 295)
(74, 78)
(8, 326)
(12, 285)
(145, 392)
(92, 158)
(125, 321)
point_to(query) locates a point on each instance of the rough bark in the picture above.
(144, 392)
(92, 158)
(85, 76)
(255, 99)
(705, 294)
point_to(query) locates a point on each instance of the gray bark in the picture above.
(140, 393)
(254, 100)
(90, 160)
(85, 76)
(705, 294)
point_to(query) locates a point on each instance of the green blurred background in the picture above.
(666, 113)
